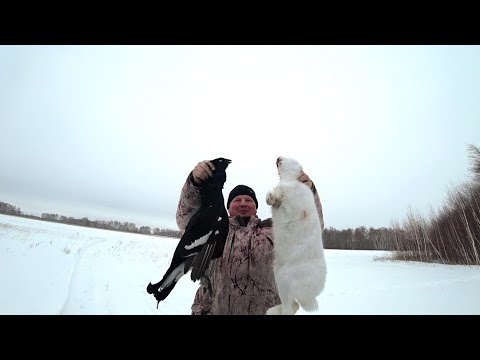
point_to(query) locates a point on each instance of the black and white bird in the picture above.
(204, 237)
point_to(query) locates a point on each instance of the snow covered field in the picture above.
(50, 268)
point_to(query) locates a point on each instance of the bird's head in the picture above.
(221, 163)
(220, 176)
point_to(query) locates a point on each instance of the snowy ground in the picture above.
(49, 268)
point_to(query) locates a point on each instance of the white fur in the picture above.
(299, 265)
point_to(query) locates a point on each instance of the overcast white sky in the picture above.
(64, 269)
(111, 132)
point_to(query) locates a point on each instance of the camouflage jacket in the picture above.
(241, 282)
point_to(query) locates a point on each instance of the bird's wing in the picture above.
(202, 261)
(220, 244)
(196, 234)
(213, 248)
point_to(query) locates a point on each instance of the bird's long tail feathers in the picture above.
(162, 294)
(163, 288)
(202, 261)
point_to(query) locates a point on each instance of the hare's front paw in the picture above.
(273, 199)
(270, 198)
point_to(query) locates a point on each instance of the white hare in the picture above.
(299, 265)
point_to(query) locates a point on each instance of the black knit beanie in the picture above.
(241, 190)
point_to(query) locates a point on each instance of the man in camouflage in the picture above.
(241, 282)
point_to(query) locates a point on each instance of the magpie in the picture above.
(204, 237)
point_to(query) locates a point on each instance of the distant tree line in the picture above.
(360, 238)
(9, 209)
(98, 224)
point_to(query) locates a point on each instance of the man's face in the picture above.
(242, 205)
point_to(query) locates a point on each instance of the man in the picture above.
(241, 282)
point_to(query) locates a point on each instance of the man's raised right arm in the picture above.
(189, 201)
